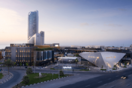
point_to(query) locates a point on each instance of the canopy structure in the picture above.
(105, 59)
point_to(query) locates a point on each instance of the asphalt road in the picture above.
(14, 80)
(90, 83)
(101, 80)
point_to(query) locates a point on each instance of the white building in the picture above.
(105, 59)
(37, 39)
(33, 36)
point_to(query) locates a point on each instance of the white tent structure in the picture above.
(105, 59)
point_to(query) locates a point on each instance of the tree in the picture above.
(115, 67)
(26, 64)
(8, 63)
(77, 55)
(29, 71)
(76, 60)
(61, 73)
(125, 64)
(20, 64)
(25, 80)
(14, 63)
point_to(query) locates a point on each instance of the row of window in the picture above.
(27, 50)
(23, 56)
(20, 45)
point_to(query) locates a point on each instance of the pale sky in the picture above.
(69, 22)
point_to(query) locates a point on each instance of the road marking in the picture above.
(99, 81)
(87, 86)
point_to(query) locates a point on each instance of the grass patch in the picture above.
(52, 68)
(1, 75)
(34, 77)
(114, 68)
(84, 70)
(103, 69)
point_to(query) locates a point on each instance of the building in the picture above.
(1, 55)
(68, 60)
(20, 53)
(106, 60)
(43, 55)
(34, 37)
(37, 39)
(32, 24)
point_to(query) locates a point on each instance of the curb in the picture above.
(44, 81)
(7, 79)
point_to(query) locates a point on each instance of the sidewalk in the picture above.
(6, 77)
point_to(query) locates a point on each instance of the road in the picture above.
(101, 80)
(18, 75)
(96, 82)
(120, 83)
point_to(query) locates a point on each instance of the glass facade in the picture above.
(44, 55)
(32, 24)
(20, 53)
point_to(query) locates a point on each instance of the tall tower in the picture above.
(32, 24)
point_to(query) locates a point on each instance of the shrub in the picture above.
(103, 69)
(29, 71)
(19, 85)
(114, 68)
(25, 80)
(61, 73)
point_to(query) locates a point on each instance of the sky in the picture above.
(69, 22)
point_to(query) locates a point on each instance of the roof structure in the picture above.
(105, 59)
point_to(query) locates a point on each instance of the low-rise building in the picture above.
(20, 53)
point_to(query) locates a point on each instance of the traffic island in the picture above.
(34, 78)
(1, 75)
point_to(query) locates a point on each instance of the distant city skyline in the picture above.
(68, 22)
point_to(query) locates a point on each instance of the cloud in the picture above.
(10, 25)
(84, 24)
(9, 17)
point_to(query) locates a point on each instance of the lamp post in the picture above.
(34, 60)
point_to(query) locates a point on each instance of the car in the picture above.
(124, 77)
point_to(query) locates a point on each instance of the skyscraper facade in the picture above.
(32, 24)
